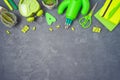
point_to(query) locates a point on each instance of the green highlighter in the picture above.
(108, 15)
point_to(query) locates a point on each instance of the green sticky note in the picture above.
(50, 19)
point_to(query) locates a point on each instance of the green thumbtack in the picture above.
(8, 32)
(51, 29)
(58, 26)
(50, 19)
(73, 28)
(34, 28)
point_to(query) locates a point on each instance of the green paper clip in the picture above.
(50, 19)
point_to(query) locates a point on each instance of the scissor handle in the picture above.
(85, 22)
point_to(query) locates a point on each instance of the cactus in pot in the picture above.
(50, 4)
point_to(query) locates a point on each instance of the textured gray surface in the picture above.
(59, 55)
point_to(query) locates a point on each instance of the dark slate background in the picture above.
(59, 55)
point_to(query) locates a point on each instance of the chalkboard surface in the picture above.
(61, 54)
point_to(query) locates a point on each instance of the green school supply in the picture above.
(8, 4)
(86, 21)
(108, 15)
(114, 10)
(50, 19)
(13, 4)
(72, 9)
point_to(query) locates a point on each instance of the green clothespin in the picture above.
(50, 19)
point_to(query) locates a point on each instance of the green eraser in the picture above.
(13, 4)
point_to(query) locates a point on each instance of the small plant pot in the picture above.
(50, 6)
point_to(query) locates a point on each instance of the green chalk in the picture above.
(13, 4)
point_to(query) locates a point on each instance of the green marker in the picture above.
(13, 4)
(8, 4)
(73, 8)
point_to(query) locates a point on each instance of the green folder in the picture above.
(108, 15)
(109, 25)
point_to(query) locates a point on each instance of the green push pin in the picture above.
(34, 28)
(8, 32)
(50, 19)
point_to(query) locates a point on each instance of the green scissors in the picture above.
(86, 21)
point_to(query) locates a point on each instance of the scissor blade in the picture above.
(94, 7)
